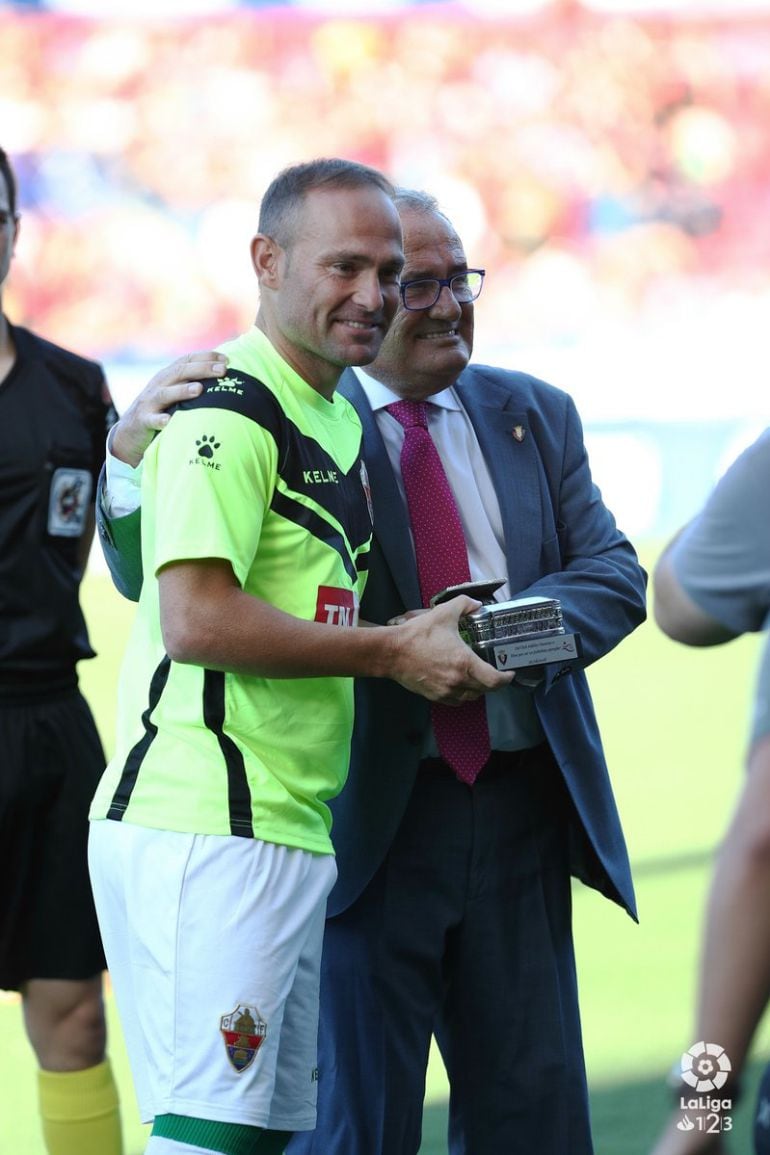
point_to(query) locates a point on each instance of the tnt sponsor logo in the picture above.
(336, 607)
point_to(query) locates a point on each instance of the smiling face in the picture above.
(425, 351)
(329, 295)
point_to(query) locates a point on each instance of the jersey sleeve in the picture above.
(760, 719)
(722, 558)
(211, 482)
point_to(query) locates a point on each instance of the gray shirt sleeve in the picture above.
(760, 721)
(722, 558)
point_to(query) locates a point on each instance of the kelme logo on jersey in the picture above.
(336, 607)
(227, 385)
(205, 447)
(320, 477)
(244, 1032)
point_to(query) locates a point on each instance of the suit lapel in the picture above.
(390, 513)
(510, 452)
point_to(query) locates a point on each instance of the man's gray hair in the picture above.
(421, 202)
(416, 201)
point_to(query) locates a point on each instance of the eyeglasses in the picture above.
(423, 294)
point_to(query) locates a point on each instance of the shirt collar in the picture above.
(379, 395)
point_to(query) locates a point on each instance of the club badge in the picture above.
(244, 1032)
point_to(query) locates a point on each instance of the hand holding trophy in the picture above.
(521, 634)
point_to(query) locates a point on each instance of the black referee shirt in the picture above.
(55, 410)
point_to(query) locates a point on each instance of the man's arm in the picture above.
(148, 412)
(129, 438)
(712, 582)
(676, 613)
(121, 541)
(600, 583)
(208, 620)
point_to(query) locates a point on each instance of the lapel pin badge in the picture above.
(518, 432)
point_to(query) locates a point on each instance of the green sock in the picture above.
(226, 1138)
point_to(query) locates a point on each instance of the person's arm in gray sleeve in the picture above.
(712, 582)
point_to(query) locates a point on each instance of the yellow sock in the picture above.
(80, 1111)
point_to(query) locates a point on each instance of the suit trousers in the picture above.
(465, 932)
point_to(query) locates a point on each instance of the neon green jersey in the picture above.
(263, 472)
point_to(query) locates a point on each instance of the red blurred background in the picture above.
(609, 168)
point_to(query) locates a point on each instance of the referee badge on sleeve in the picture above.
(244, 1032)
(68, 501)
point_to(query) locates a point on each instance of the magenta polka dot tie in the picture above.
(461, 732)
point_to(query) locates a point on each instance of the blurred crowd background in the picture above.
(607, 163)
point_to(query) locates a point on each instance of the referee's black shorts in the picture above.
(51, 759)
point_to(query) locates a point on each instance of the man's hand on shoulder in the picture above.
(148, 412)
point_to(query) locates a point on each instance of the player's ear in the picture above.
(267, 257)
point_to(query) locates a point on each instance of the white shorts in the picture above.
(214, 946)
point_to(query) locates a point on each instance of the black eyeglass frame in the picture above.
(440, 283)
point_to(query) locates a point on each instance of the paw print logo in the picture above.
(705, 1067)
(206, 446)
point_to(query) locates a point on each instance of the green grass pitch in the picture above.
(674, 722)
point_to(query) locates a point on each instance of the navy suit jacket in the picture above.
(561, 542)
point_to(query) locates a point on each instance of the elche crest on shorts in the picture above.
(243, 1031)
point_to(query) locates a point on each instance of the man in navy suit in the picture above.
(451, 914)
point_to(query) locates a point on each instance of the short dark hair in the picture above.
(10, 180)
(278, 211)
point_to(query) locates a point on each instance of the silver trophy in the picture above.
(524, 633)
